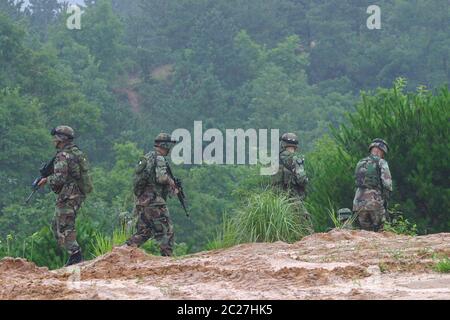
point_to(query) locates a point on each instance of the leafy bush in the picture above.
(398, 224)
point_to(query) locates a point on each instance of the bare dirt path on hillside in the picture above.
(335, 265)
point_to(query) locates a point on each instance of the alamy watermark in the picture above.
(374, 20)
(73, 22)
(232, 151)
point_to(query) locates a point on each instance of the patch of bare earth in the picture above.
(339, 264)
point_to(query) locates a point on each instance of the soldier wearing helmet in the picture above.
(291, 175)
(67, 181)
(152, 186)
(373, 187)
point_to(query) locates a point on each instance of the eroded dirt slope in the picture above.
(334, 265)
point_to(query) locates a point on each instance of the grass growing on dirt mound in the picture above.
(264, 217)
(443, 265)
(102, 244)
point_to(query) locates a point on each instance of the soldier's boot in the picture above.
(75, 258)
(166, 251)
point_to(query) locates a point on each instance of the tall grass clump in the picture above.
(270, 216)
(338, 224)
(102, 244)
(264, 217)
(225, 234)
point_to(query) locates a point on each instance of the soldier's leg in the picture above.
(163, 230)
(378, 218)
(64, 226)
(143, 227)
(365, 220)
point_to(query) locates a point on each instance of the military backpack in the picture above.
(85, 180)
(368, 173)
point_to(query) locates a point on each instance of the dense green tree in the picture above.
(43, 14)
(102, 33)
(416, 128)
(21, 137)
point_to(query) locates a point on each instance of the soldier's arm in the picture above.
(61, 172)
(386, 178)
(162, 176)
(300, 172)
(287, 160)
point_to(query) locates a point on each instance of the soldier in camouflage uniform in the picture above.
(152, 185)
(65, 182)
(291, 176)
(373, 187)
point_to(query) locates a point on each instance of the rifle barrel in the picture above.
(30, 196)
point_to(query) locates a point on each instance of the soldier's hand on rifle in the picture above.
(173, 187)
(42, 182)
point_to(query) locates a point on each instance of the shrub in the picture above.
(398, 224)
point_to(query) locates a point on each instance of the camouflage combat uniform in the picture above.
(151, 188)
(291, 175)
(374, 184)
(64, 183)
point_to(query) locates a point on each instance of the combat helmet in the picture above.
(288, 140)
(380, 144)
(164, 140)
(344, 214)
(63, 133)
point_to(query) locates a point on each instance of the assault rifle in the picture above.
(179, 186)
(45, 171)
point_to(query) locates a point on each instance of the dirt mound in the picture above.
(19, 266)
(340, 264)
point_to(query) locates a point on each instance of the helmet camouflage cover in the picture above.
(344, 214)
(288, 140)
(63, 133)
(380, 144)
(164, 140)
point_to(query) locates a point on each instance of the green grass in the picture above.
(443, 265)
(264, 217)
(335, 219)
(225, 235)
(102, 244)
(270, 217)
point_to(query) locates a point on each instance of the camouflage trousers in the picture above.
(63, 224)
(371, 220)
(154, 222)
